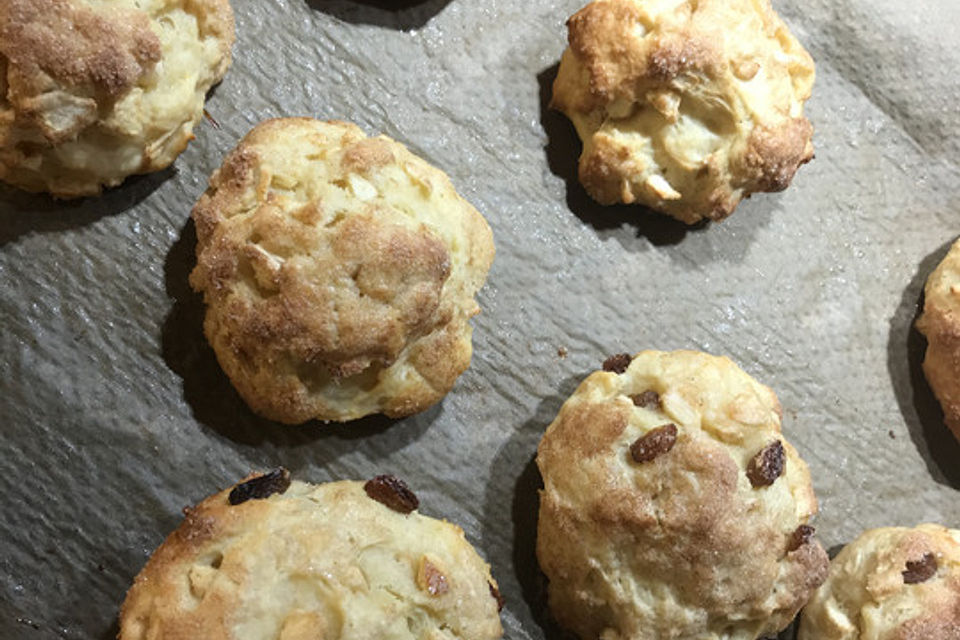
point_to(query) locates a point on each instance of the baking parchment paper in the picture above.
(115, 414)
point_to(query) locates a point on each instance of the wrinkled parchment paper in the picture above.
(115, 414)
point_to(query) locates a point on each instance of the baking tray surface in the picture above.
(116, 416)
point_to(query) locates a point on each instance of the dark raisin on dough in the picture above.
(617, 363)
(920, 570)
(767, 465)
(496, 596)
(800, 537)
(654, 443)
(393, 492)
(647, 399)
(277, 481)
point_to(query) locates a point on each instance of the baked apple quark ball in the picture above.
(93, 92)
(685, 106)
(891, 583)
(275, 559)
(673, 506)
(339, 273)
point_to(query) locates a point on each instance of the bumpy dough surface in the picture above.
(685, 106)
(940, 323)
(865, 596)
(93, 91)
(319, 562)
(339, 273)
(682, 546)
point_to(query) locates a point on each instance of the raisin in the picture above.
(920, 570)
(654, 443)
(496, 596)
(617, 363)
(767, 465)
(647, 399)
(800, 537)
(277, 481)
(393, 492)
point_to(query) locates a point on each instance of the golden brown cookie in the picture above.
(940, 323)
(275, 560)
(673, 507)
(892, 583)
(685, 106)
(339, 273)
(93, 92)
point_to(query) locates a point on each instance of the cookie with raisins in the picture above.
(673, 506)
(891, 583)
(272, 558)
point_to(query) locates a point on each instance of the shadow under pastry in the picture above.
(402, 15)
(515, 480)
(22, 213)
(921, 411)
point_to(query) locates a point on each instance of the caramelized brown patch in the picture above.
(392, 492)
(277, 481)
(588, 428)
(767, 465)
(431, 579)
(197, 526)
(654, 443)
(367, 155)
(673, 58)
(921, 570)
(617, 363)
(495, 593)
(800, 537)
(774, 155)
(77, 45)
(648, 400)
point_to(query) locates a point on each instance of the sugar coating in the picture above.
(92, 92)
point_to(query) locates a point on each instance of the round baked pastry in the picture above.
(892, 583)
(339, 273)
(940, 323)
(672, 505)
(685, 106)
(92, 92)
(275, 560)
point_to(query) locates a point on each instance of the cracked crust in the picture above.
(940, 323)
(92, 93)
(679, 545)
(866, 596)
(339, 273)
(318, 561)
(685, 107)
